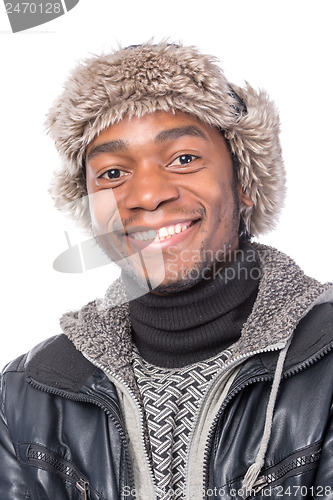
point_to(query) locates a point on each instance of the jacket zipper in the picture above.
(82, 485)
(47, 460)
(235, 362)
(210, 436)
(139, 410)
(289, 373)
(280, 470)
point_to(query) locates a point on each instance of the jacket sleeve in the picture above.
(11, 478)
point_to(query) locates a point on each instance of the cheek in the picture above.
(221, 201)
(223, 220)
(103, 211)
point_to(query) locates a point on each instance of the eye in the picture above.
(112, 174)
(184, 159)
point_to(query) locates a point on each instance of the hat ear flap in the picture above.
(255, 141)
(70, 196)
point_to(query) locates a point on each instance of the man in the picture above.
(217, 383)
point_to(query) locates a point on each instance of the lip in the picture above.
(157, 244)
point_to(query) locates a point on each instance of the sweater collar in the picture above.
(195, 324)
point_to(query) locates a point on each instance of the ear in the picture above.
(244, 197)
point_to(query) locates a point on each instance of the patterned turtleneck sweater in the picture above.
(180, 342)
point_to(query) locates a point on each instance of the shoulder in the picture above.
(312, 341)
(54, 362)
(19, 364)
(313, 336)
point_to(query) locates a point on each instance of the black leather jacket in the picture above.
(62, 433)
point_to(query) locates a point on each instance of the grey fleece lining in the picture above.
(285, 295)
(209, 408)
(143, 479)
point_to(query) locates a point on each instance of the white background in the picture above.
(284, 47)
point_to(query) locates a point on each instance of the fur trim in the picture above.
(167, 77)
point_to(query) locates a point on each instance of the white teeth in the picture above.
(152, 234)
(163, 233)
(168, 232)
(148, 235)
(145, 235)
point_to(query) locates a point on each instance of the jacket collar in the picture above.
(57, 363)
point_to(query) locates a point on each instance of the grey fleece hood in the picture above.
(286, 294)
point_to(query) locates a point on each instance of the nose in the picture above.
(150, 187)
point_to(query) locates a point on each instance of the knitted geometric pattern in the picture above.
(171, 398)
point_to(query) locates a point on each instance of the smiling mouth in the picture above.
(163, 233)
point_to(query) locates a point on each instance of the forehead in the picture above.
(158, 127)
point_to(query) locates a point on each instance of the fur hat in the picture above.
(165, 77)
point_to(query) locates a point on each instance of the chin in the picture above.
(174, 287)
(185, 280)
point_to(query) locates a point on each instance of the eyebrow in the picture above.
(175, 133)
(107, 147)
(164, 136)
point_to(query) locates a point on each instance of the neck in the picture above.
(183, 328)
(198, 323)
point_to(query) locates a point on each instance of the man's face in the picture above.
(164, 182)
